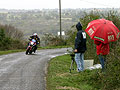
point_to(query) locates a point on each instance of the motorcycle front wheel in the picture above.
(27, 51)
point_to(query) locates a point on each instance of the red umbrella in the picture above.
(103, 30)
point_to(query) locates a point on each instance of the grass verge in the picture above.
(59, 77)
(11, 51)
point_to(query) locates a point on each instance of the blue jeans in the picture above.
(102, 61)
(79, 58)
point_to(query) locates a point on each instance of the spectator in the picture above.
(102, 50)
(80, 47)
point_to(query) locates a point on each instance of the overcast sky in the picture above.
(51, 4)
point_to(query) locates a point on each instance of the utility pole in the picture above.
(60, 17)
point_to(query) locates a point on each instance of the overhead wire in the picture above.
(97, 3)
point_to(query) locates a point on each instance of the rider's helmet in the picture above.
(35, 34)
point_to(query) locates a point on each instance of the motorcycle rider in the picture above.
(35, 37)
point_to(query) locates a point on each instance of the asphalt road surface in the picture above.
(26, 72)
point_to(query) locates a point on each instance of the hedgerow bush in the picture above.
(112, 75)
(53, 40)
(7, 43)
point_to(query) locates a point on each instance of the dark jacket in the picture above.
(36, 38)
(80, 40)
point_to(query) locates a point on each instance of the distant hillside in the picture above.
(42, 21)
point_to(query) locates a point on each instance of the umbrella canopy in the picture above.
(103, 30)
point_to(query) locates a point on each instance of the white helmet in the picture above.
(35, 34)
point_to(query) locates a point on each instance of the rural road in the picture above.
(26, 72)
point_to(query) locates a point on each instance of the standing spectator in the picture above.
(80, 47)
(102, 51)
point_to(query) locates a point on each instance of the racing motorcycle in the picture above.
(31, 47)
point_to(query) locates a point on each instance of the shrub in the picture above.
(7, 43)
(52, 40)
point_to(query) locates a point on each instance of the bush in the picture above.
(7, 43)
(4, 41)
(52, 40)
(112, 79)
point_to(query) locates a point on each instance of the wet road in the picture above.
(26, 72)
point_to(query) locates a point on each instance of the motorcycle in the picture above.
(31, 47)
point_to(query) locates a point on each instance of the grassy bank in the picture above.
(10, 51)
(59, 78)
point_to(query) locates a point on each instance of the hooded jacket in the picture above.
(101, 48)
(80, 40)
